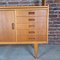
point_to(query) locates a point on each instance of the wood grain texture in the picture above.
(39, 25)
(7, 34)
(30, 12)
(30, 22)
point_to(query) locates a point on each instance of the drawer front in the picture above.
(27, 26)
(30, 35)
(26, 32)
(31, 12)
(26, 20)
(22, 26)
(26, 38)
(26, 35)
(32, 20)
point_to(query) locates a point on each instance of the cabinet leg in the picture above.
(35, 50)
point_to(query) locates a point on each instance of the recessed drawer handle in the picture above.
(31, 19)
(13, 26)
(31, 13)
(31, 32)
(31, 25)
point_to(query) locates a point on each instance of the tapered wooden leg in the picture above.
(35, 50)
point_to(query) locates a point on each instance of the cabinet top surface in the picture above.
(17, 7)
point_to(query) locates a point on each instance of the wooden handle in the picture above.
(31, 32)
(13, 26)
(31, 19)
(31, 13)
(31, 25)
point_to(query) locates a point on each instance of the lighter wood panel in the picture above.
(7, 34)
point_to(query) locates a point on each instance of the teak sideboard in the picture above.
(24, 25)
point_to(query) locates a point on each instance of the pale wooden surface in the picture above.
(31, 24)
(38, 26)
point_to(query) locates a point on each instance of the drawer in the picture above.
(31, 12)
(26, 26)
(25, 38)
(32, 37)
(26, 35)
(26, 20)
(32, 32)
(26, 32)
(22, 26)
(22, 32)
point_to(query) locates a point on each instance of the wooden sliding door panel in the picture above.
(7, 28)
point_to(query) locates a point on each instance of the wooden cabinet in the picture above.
(7, 33)
(23, 25)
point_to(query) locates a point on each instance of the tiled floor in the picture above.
(26, 52)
